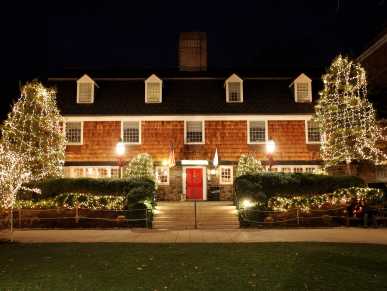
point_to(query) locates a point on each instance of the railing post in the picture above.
(298, 216)
(196, 224)
(76, 213)
(20, 217)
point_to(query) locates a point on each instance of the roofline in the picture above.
(169, 78)
(377, 44)
(208, 117)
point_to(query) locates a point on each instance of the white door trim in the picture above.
(184, 174)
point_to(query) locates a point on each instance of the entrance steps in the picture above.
(209, 215)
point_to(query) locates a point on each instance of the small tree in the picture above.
(32, 131)
(140, 167)
(346, 118)
(248, 165)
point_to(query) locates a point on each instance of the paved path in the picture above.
(341, 235)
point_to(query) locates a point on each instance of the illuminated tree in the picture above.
(140, 167)
(32, 133)
(346, 118)
(248, 165)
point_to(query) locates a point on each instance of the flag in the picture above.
(215, 162)
(171, 158)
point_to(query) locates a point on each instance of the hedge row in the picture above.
(262, 186)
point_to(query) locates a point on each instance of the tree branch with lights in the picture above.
(346, 118)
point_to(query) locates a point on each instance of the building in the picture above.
(193, 112)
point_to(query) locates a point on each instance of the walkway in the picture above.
(340, 235)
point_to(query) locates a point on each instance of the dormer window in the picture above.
(85, 90)
(302, 89)
(153, 89)
(234, 89)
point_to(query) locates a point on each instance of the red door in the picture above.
(194, 184)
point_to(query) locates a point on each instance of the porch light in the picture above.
(164, 163)
(120, 148)
(270, 147)
(247, 203)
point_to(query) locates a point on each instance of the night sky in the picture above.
(259, 35)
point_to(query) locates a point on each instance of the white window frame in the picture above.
(85, 79)
(64, 130)
(302, 79)
(221, 181)
(266, 132)
(203, 132)
(234, 79)
(139, 132)
(292, 167)
(307, 134)
(153, 79)
(168, 173)
(108, 168)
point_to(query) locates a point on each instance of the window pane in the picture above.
(73, 132)
(194, 131)
(114, 172)
(131, 132)
(302, 92)
(85, 92)
(153, 92)
(313, 132)
(257, 131)
(234, 92)
(298, 170)
(226, 175)
(162, 175)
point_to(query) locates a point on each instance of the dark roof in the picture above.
(184, 93)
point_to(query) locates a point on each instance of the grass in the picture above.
(284, 266)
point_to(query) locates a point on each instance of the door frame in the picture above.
(184, 174)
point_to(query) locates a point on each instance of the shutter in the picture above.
(85, 92)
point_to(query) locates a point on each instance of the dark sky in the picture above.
(137, 34)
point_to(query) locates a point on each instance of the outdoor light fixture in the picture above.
(270, 149)
(120, 151)
(247, 203)
(213, 172)
(164, 163)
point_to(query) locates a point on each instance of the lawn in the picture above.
(296, 266)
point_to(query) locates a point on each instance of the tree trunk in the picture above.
(348, 170)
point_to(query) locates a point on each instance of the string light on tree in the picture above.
(248, 165)
(346, 118)
(141, 166)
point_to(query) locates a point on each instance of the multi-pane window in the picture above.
(309, 170)
(131, 132)
(153, 92)
(234, 92)
(298, 170)
(74, 132)
(194, 132)
(114, 172)
(257, 131)
(92, 172)
(162, 175)
(313, 132)
(302, 92)
(85, 92)
(226, 175)
(286, 170)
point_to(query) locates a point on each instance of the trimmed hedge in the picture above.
(263, 186)
(118, 187)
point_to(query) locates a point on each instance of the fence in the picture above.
(293, 217)
(76, 218)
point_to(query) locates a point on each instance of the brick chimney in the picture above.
(193, 51)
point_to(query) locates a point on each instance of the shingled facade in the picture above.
(192, 112)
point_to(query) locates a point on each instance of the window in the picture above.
(92, 172)
(153, 89)
(114, 172)
(256, 132)
(310, 170)
(313, 132)
(131, 132)
(162, 175)
(234, 89)
(74, 133)
(194, 132)
(226, 175)
(234, 92)
(302, 88)
(85, 90)
(302, 92)
(298, 170)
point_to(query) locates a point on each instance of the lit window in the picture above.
(85, 90)
(298, 170)
(302, 92)
(162, 175)
(309, 170)
(74, 132)
(257, 131)
(234, 92)
(286, 170)
(77, 172)
(313, 132)
(103, 173)
(194, 132)
(131, 132)
(153, 93)
(114, 172)
(226, 175)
